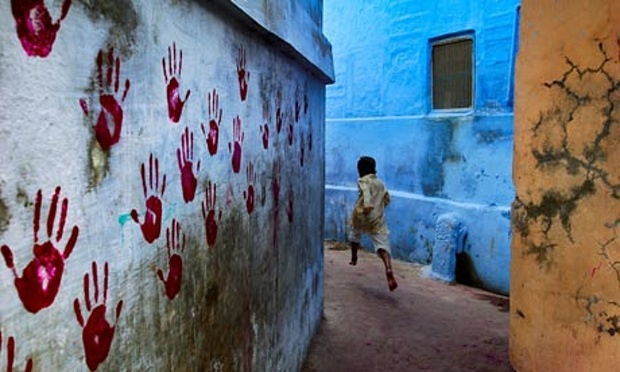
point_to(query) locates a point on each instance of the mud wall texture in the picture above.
(565, 281)
(434, 162)
(161, 163)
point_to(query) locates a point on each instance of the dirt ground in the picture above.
(424, 325)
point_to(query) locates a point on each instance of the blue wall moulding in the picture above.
(434, 162)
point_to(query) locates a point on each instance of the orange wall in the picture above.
(565, 273)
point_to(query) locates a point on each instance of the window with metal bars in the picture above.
(452, 74)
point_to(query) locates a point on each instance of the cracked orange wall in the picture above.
(565, 273)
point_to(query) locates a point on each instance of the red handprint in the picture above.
(110, 119)
(185, 159)
(38, 286)
(235, 148)
(172, 76)
(279, 114)
(249, 195)
(151, 228)
(97, 333)
(289, 205)
(175, 242)
(10, 359)
(264, 129)
(208, 214)
(34, 25)
(242, 75)
(290, 130)
(215, 118)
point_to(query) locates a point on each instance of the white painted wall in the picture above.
(252, 300)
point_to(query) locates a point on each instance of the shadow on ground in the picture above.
(424, 325)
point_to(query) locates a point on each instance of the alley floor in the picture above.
(424, 325)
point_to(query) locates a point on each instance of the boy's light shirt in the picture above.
(371, 194)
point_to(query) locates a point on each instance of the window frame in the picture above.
(447, 39)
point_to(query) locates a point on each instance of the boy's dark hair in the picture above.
(366, 165)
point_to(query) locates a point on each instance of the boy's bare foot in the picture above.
(354, 248)
(353, 261)
(391, 281)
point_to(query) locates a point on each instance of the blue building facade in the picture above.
(448, 165)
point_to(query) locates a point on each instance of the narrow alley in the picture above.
(424, 325)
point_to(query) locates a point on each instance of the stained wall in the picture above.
(565, 250)
(434, 162)
(161, 162)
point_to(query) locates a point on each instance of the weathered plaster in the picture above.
(214, 259)
(564, 275)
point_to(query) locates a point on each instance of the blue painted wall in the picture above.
(432, 162)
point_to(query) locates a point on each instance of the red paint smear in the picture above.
(34, 25)
(175, 242)
(208, 214)
(249, 194)
(185, 159)
(242, 75)
(38, 286)
(110, 118)
(235, 148)
(595, 269)
(151, 227)
(215, 119)
(97, 333)
(172, 76)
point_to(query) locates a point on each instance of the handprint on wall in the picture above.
(212, 135)
(97, 333)
(209, 215)
(175, 244)
(279, 113)
(10, 359)
(34, 25)
(185, 159)
(153, 195)
(172, 77)
(110, 118)
(235, 148)
(290, 129)
(242, 74)
(249, 194)
(264, 129)
(38, 286)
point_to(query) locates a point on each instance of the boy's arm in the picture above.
(386, 198)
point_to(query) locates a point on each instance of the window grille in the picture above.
(452, 73)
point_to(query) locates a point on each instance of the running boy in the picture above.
(368, 216)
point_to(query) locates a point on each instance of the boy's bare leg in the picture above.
(385, 256)
(354, 248)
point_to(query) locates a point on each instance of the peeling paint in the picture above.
(98, 165)
(5, 215)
